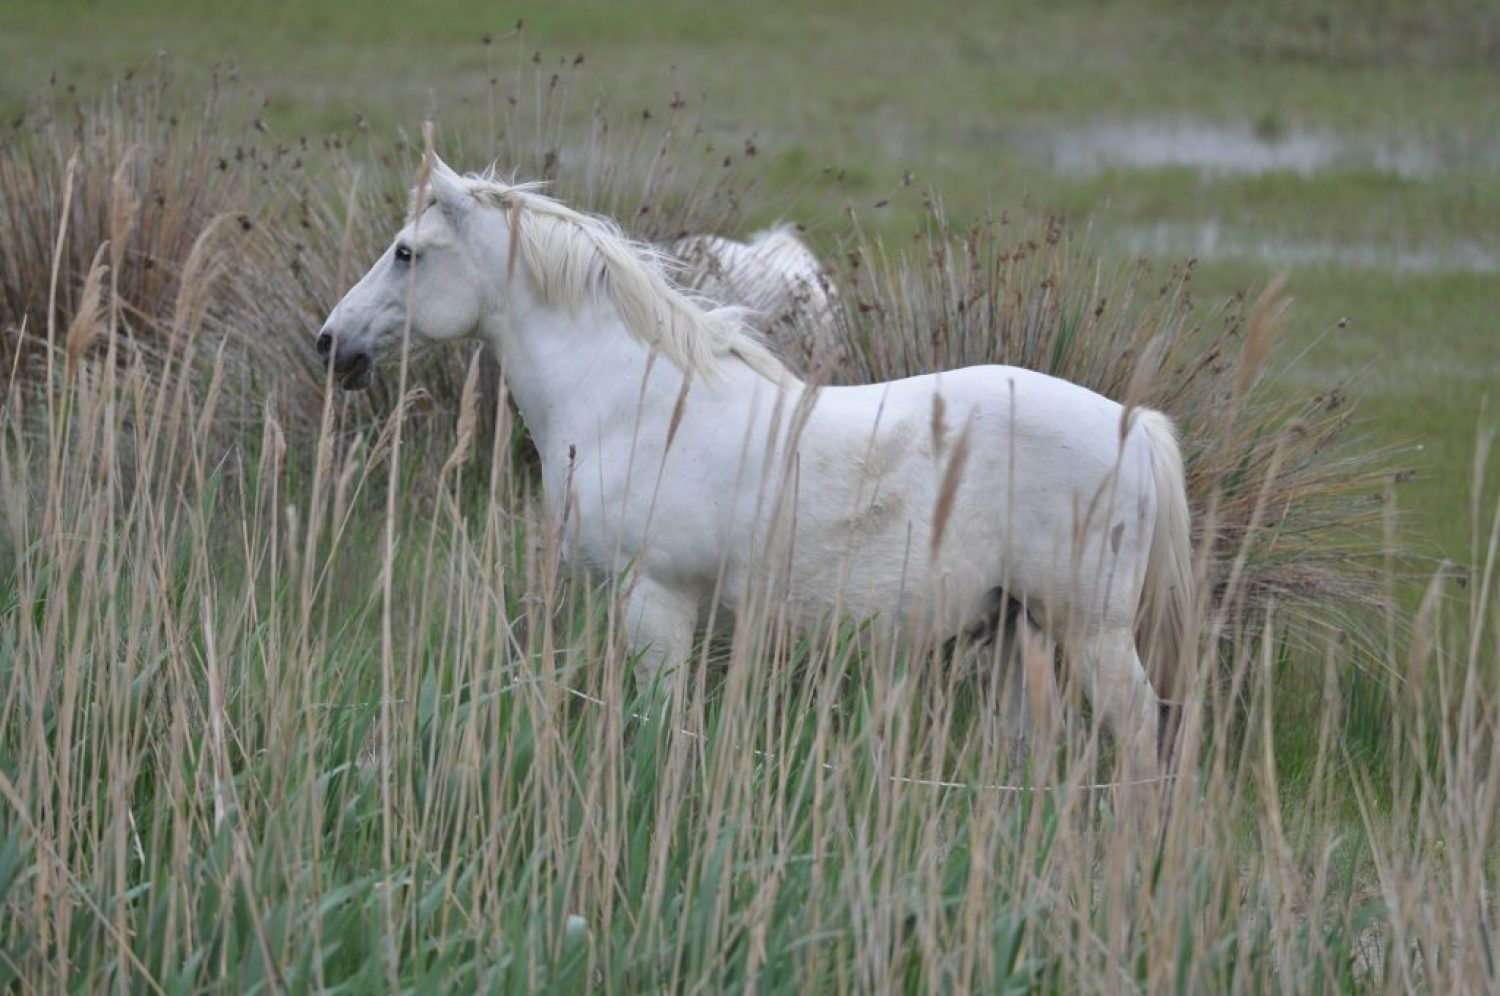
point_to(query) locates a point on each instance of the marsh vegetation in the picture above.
(294, 693)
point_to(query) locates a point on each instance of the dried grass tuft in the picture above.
(1267, 315)
(468, 415)
(146, 173)
(88, 320)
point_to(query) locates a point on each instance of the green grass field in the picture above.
(282, 707)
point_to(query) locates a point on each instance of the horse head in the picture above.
(429, 284)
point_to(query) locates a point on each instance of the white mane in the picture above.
(576, 259)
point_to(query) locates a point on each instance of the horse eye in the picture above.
(403, 253)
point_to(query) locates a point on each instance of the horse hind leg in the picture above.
(1121, 693)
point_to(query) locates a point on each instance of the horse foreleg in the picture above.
(659, 628)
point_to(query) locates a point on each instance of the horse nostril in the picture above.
(325, 343)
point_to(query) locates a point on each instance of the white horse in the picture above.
(776, 276)
(692, 464)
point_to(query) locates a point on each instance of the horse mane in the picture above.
(576, 259)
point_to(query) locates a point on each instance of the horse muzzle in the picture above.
(352, 368)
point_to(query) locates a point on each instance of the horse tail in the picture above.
(1164, 630)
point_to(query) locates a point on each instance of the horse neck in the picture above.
(567, 371)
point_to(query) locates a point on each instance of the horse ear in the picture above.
(446, 186)
(441, 169)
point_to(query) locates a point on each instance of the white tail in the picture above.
(1164, 629)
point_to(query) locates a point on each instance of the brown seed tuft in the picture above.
(468, 417)
(939, 423)
(1265, 321)
(948, 492)
(88, 320)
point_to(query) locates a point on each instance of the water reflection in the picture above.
(1209, 240)
(1245, 149)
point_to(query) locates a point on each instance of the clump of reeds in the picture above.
(160, 191)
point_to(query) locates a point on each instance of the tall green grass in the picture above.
(219, 774)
